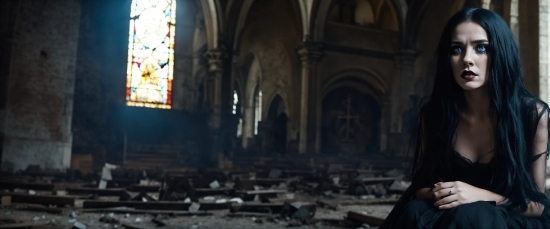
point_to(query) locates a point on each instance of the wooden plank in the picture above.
(212, 192)
(143, 188)
(24, 225)
(26, 185)
(124, 210)
(262, 192)
(129, 226)
(38, 208)
(97, 191)
(107, 204)
(156, 205)
(364, 218)
(39, 199)
(376, 180)
(274, 208)
(167, 205)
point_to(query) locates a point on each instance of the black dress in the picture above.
(420, 213)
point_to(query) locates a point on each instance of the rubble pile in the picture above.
(324, 192)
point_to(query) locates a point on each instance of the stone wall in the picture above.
(40, 85)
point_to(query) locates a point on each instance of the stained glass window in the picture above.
(151, 53)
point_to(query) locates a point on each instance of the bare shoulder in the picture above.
(542, 114)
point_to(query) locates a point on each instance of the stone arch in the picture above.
(322, 9)
(364, 13)
(364, 80)
(351, 118)
(387, 17)
(301, 11)
(213, 20)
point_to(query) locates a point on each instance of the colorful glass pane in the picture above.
(151, 53)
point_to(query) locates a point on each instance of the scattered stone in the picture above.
(214, 184)
(194, 207)
(274, 173)
(237, 200)
(79, 225)
(399, 186)
(73, 215)
(32, 192)
(138, 220)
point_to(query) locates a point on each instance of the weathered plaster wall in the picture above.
(41, 85)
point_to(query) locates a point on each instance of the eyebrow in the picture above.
(475, 42)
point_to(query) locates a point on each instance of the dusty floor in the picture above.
(324, 217)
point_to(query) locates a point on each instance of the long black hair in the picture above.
(514, 112)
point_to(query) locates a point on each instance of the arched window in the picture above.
(257, 108)
(151, 53)
(235, 101)
(236, 112)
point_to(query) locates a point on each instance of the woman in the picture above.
(482, 139)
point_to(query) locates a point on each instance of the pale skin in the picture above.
(474, 135)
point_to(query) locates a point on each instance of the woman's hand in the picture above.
(451, 194)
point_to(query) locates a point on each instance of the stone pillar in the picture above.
(402, 87)
(216, 58)
(310, 114)
(41, 77)
(528, 20)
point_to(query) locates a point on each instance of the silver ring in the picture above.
(450, 192)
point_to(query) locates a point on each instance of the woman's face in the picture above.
(470, 55)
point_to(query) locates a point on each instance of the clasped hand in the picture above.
(451, 194)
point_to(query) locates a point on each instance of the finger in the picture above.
(446, 184)
(437, 187)
(442, 193)
(445, 200)
(449, 205)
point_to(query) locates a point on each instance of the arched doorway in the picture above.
(350, 122)
(275, 127)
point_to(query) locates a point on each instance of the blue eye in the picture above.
(481, 48)
(455, 50)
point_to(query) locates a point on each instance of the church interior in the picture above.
(222, 113)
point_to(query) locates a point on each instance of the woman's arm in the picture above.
(538, 168)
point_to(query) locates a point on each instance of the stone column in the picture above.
(39, 99)
(403, 85)
(310, 114)
(216, 58)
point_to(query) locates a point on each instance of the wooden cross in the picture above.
(348, 117)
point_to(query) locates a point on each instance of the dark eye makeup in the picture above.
(479, 48)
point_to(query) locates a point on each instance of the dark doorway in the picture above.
(274, 136)
(350, 122)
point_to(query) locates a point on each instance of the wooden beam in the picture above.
(124, 210)
(274, 208)
(155, 205)
(24, 225)
(39, 199)
(26, 185)
(99, 192)
(143, 188)
(38, 208)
